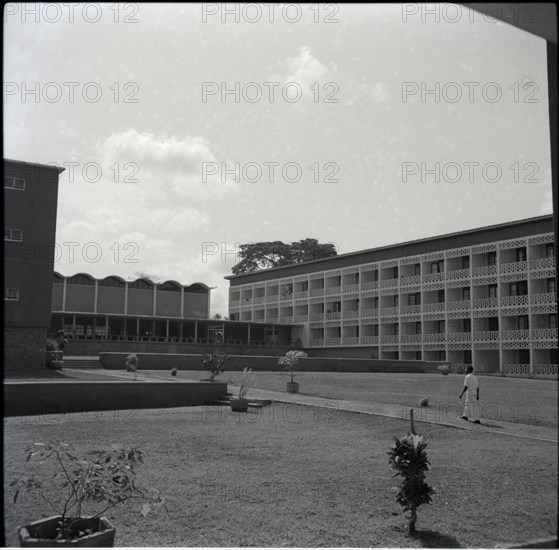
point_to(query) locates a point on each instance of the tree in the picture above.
(143, 275)
(265, 255)
(219, 317)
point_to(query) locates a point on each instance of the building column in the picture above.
(64, 295)
(96, 295)
(107, 327)
(167, 331)
(195, 331)
(126, 298)
(154, 300)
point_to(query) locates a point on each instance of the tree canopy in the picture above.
(265, 255)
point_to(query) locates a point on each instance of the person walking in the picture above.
(471, 386)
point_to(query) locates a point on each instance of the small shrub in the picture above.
(132, 362)
(174, 371)
(214, 363)
(424, 403)
(291, 360)
(444, 369)
(246, 383)
(409, 459)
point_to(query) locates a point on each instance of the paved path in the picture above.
(432, 415)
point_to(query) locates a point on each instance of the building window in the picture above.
(465, 262)
(493, 323)
(418, 356)
(442, 355)
(467, 325)
(523, 322)
(11, 294)
(466, 293)
(14, 183)
(492, 291)
(417, 269)
(411, 300)
(468, 357)
(304, 286)
(441, 327)
(375, 276)
(518, 289)
(492, 258)
(13, 235)
(396, 329)
(549, 251)
(521, 254)
(418, 327)
(550, 285)
(440, 296)
(552, 320)
(395, 272)
(396, 300)
(375, 302)
(437, 267)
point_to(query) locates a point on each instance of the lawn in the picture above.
(284, 477)
(527, 401)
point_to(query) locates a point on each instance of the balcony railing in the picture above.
(234, 303)
(487, 336)
(457, 274)
(407, 310)
(390, 339)
(515, 335)
(548, 298)
(300, 294)
(462, 304)
(316, 292)
(271, 298)
(459, 336)
(484, 303)
(436, 337)
(433, 277)
(316, 317)
(369, 313)
(387, 283)
(513, 267)
(437, 306)
(373, 340)
(389, 311)
(316, 342)
(350, 288)
(369, 285)
(410, 338)
(333, 316)
(301, 318)
(412, 280)
(544, 334)
(514, 301)
(288, 319)
(353, 314)
(350, 340)
(332, 341)
(542, 263)
(332, 290)
(484, 270)
(259, 299)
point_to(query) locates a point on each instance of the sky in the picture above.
(189, 129)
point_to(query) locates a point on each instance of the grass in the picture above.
(283, 477)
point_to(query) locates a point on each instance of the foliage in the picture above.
(444, 369)
(219, 317)
(291, 360)
(105, 478)
(51, 344)
(409, 458)
(246, 382)
(265, 255)
(155, 279)
(132, 362)
(214, 363)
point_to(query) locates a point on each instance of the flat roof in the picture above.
(25, 163)
(464, 233)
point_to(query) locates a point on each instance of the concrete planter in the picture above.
(239, 404)
(42, 533)
(57, 365)
(292, 387)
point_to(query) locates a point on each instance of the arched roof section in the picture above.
(81, 279)
(113, 280)
(172, 286)
(57, 278)
(143, 284)
(197, 288)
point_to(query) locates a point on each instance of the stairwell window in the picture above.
(14, 183)
(11, 294)
(13, 235)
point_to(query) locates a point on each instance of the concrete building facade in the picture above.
(30, 205)
(484, 297)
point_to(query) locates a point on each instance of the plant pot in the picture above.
(53, 356)
(58, 365)
(292, 387)
(239, 404)
(42, 533)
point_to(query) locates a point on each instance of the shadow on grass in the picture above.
(434, 539)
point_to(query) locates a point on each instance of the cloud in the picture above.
(169, 164)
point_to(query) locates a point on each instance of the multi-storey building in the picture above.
(484, 297)
(30, 204)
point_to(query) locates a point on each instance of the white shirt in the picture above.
(472, 383)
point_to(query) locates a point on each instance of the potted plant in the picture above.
(106, 478)
(54, 354)
(214, 363)
(132, 362)
(290, 362)
(240, 404)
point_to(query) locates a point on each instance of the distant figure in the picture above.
(471, 386)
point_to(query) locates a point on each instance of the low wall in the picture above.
(63, 397)
(157, 361)
(90, 348)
